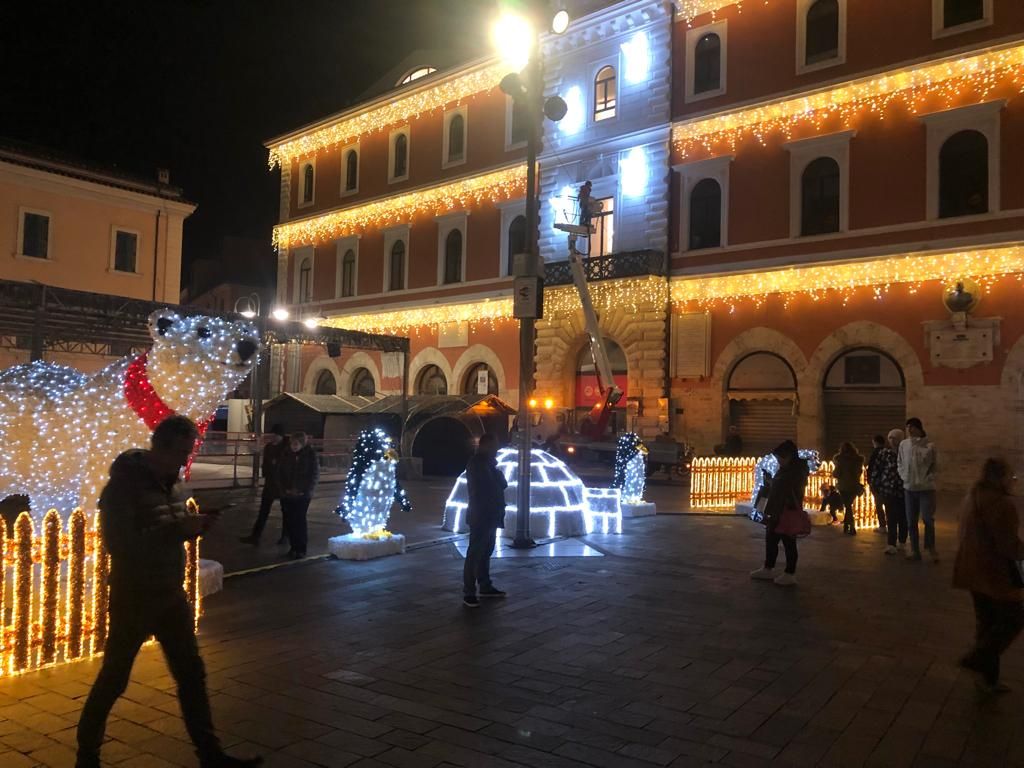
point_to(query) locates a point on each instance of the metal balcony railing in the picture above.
(616, 266)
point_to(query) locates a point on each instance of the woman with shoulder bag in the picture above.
(987, 565)
(784, 515)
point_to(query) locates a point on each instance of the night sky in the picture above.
(197, 86)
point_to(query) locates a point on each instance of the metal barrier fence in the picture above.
(54, 591)
(718, 482)
(238, 449)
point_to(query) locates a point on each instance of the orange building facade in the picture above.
(794, 189)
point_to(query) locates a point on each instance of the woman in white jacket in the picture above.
(916, 464)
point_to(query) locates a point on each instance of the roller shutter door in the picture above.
(859, 416)
(763, 423)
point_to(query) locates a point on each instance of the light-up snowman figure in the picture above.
(372, 486)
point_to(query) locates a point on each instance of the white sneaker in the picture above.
(763, 574)
(891, 550)
(786, 580)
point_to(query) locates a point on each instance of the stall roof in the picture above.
(419, 405)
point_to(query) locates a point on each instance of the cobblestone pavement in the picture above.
(661, 653)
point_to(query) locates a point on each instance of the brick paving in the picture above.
(661, 653)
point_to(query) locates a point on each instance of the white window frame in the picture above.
(509, 107)
(802, 68)
(448, 116)
(20, 245)
(391, 236)
(693, 36)
(310, 163)
(802, 153)
(616, 65)
(343, 245)
(939, 29)
(509, 211)
(344, 166)
(392, 138)
(983, 118)
(113, 249)
(691, 174)
(301, 254)
(445, 225)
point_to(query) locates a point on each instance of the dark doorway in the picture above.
(445, 446)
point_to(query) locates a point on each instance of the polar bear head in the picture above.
(196, 361)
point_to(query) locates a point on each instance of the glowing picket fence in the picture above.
(718, 482)
(54, 591)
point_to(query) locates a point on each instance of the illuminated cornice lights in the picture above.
(630, 294)
(819, 281)
(400, 111)
(505, 184)
(915, 89)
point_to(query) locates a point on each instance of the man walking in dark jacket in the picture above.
(486, 514)
(298, 473)
(272, 452)
(145, 524)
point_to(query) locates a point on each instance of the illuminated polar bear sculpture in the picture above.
(557, 506)
(61, 429)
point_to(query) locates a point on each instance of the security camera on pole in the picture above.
(518, 44)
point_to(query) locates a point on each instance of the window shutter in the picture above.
(690, 334)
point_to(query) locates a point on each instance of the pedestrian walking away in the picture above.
(786, 494)
(144, 524)
(298, 472)
(891, 489)
(917, 466)
(848, 470)
(277, 444)
(873, 477)
(485, 515)
(988, 566)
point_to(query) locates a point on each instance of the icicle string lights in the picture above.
(688, 10)
(928, 87)
(506, 184)
(347, 129)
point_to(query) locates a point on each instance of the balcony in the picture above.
(614, 267)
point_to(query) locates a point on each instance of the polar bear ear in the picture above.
(161, 321)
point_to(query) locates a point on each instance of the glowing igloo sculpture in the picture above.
(557, 507)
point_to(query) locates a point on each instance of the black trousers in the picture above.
(477, 568)
(771, 550)
(293, 509)
(267, 500)
(997, 624)
(896, 512)
(848, 502)
(882, 513)
(134, 617)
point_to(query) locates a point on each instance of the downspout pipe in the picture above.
(156, 251)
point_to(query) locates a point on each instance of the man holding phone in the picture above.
(144, 523)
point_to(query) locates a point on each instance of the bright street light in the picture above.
(248, 314)
(560, 22)
(310, 322)
(512, 38)
(280, 313)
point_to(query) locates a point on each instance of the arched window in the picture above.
(453, 257)
(707, 64)
(480, 380)
(456, 138)
(431, 381)
(348, 273)
(706, 215)
(605, 93)
(401, 159)
(363, 384)
(351, 170)
(957, 12)
(396, 272)
(822, 42)
(307, 183)
(325, 383)
(306, 281)
(416, 74)
(516, 240)
(819, 188)
(963, 175)
(762, 391)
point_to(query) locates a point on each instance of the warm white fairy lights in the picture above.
(557, 505)
(61, 430)
(842, 281)
(429, 98)
(372, 487)
(505, 184)
(929, 87)
(688, 10)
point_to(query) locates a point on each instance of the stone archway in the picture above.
(1012, 386)
(479, 353)
(318, 366)
(425, 357)
(353, 364)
